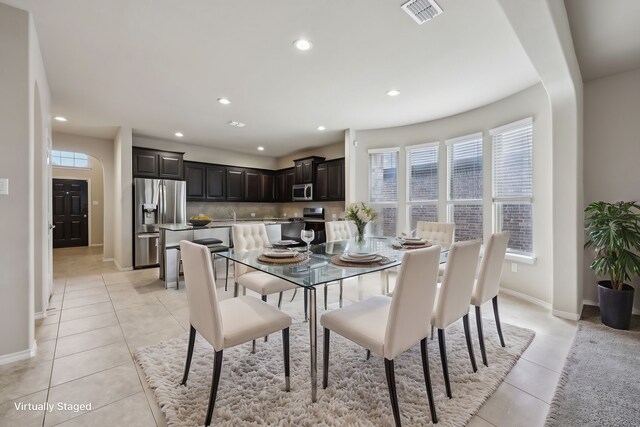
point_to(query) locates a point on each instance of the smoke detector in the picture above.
(422, 10)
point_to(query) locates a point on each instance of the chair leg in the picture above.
(391, 383)
(368, 354)
(285, 349)
(253, 347)
(483, 351)
(280, 300)
(236, 289)
(432, 332)
(325, 359)
(497, 316)
(179, 261)
(427, 378)
(217, 367)
(443, 357)
(187, 366)
(341, 293)
(306, 304)
(325, 297)
(264, 298)
(226, 276)
(295, 292)
(467, 335)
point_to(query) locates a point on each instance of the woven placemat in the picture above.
(283, 261)
(337, 261)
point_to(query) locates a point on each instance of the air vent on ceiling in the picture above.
(422, 10)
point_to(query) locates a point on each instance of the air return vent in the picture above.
(421, 10)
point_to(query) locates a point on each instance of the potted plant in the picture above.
(613, 229)
(361, 215)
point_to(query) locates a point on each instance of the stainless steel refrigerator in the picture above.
(156, 201)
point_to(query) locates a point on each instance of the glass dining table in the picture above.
(319, 269)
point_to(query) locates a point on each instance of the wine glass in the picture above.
(307, 236)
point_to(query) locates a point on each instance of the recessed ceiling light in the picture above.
(179, 134)
(302, 44)
(60, 118)
(321, 128)
(224, 101)
(260, 148)
(236, 124)
(393, 92)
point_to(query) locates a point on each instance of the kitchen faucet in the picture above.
(233, 215)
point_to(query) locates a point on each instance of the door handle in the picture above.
(51, 226)
(84, 216)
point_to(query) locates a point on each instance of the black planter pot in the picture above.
(615, 306)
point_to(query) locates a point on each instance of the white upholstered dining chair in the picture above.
(389, 326)
(452, 301)
(488, 284)
(224, 324)
(336, 230)
(438, 233)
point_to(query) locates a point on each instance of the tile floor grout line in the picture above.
(525, 391)
(488, 422)
(542, 366)
(134, 359)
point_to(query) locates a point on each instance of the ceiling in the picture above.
(606, 35)
(159, 66)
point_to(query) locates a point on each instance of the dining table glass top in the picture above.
(318, 268)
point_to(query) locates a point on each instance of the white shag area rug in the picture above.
(251, 390)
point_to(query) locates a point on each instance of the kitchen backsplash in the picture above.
(223, 210)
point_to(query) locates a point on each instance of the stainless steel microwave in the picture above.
(302, 192)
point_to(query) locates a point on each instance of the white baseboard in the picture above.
(526, 297)
(19, 355)
(119, 267)
(95, 244)
(596, 304)
(107, 259)
(40, 315)
(566, 314)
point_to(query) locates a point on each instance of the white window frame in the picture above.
(512, 255)
(451, 202)
(51, 157)
(390, 203)
(410, 203)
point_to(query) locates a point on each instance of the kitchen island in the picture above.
(172, 234)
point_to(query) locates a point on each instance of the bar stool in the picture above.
(215, 246)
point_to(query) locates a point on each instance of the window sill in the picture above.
(523, 259)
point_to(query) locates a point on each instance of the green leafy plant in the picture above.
(613, 230)
(361, 215)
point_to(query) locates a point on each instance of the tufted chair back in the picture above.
(488, 281)
(248, 237)
(204, 311)
(338, 230)
(438, 233)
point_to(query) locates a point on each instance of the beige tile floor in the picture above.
(99, 316)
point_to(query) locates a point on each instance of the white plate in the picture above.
(285, 242)
(280, 254)
(361, 255)
(361, 260)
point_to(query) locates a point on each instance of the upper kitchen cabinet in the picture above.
(305, 169)
(284, 184)
(267, 187)
(235, 184)
(251, 185)
(205, 183)
(329, 183)
(148, 163)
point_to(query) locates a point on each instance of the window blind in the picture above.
(383, 176)
(465, 168)
(423, 173)
(513, 162)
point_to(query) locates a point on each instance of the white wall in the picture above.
(533, 280)
(122, 206)
(611, 150)
(21, 74)
(103, 150)
(200, 153)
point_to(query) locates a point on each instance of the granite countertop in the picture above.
(221, 224)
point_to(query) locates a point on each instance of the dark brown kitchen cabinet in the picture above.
(335, 180)
(305, 169)
(329, 184)
(235, 184)
(149, 163)
(290, 180)
(215, 179)
(280, 186)
(251, 185)
(267, 187)
(194, 174)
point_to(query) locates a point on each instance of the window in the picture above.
(513, 183)
(69, 159)
(422, 183)
(464, 182)
(383, 190)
